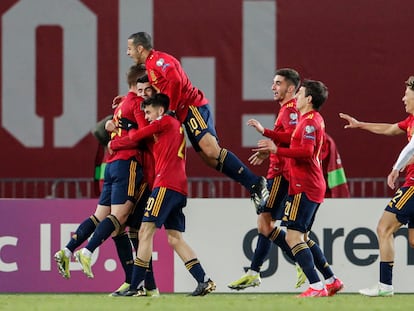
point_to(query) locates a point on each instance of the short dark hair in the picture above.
(291, 75)
(142, 38)
(143, 79)
(157, 100)
(134, 73)
(317, 90)
(410, 83)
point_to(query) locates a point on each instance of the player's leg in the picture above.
(134, 222)
(252, 276)
(126, 176)
(202, 135)
(82, 233)
(299, 213)
(398, 212)
(188, 256)
(125, 254)
(387, 226)
(156, 211)
(175, 225)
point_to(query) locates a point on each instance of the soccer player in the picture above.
(169, 195)
(122, 240)
(191, 108)
(306, 186)
(284, 87)
(123, 174)
(400, 210)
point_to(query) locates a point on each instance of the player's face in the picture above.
(152, 113)
(144, 90)
(408, 100)
(133, 51)
(279, 88)
(302, 101)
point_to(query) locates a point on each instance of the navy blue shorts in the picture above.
(299, 213)
(121, 181)
(198, 122)
(135, 217)
(165, 207)
(402, 205)
(278, 191)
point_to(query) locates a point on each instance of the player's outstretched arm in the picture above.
(389, 129)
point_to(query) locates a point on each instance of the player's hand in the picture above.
(117, 100)
(110, 151)
(352, 122)
(110, 126)
(256, 124)
(266, 145)
(257, 158)
(392, 179)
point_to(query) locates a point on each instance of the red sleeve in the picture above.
(404, 124)
(140, 115)
(304, 151)
(123, 143)
(279, 137)
(145, 132)
(174, 86)
(135, 136)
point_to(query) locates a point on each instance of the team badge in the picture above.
(293, 118)
(160, 62)
(309, 129)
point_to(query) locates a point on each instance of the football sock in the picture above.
(102, 232)
(82, 233)
(386, 272)
(196, 270)
(260, 253)
(124, 250)
(231, 166)
(133, 236)
(277, 236)
(149, 277)
(320, 260)
(138, 273)
(304, 258)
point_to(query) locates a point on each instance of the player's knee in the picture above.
(209, 146)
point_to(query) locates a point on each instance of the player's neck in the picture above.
(285, 101)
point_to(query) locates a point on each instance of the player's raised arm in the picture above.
(389, 129)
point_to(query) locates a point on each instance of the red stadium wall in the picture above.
(361, 50)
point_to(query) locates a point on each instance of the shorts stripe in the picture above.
(295, 206)
(141, 190)
(274, 191)
(158, 201)
(132, 178)
(198, 116)
(405, 198)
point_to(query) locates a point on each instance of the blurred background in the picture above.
(63, 61)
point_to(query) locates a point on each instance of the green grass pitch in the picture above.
(212, 302)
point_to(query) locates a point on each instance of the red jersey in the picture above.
(168, 150)
(407, 125)
(305, 166)
(129, 114)
(285, 122)
(167, 76)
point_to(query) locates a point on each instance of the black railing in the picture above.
(198, 187)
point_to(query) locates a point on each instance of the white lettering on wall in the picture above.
(7, 266)
(19, 70)
(259, 49)
(134, 16)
